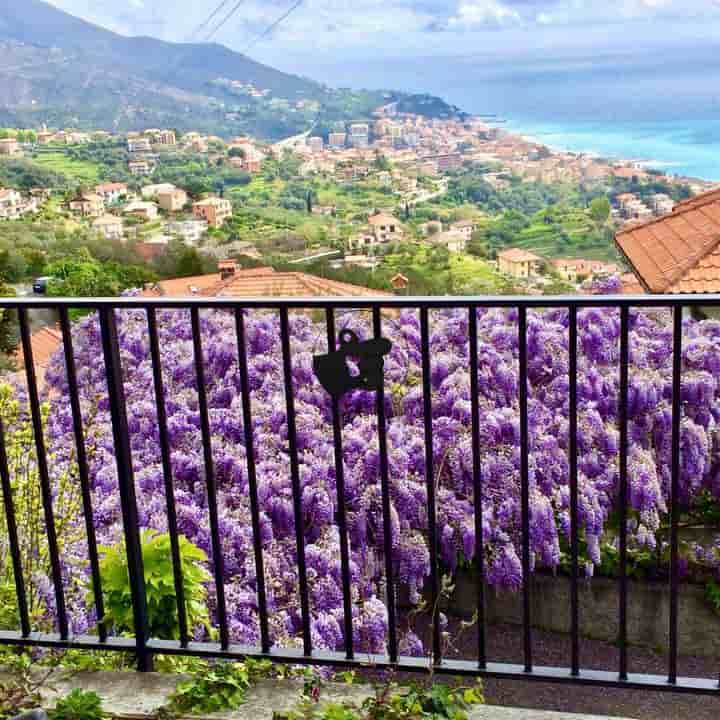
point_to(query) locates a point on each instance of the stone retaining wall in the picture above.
(648, 611)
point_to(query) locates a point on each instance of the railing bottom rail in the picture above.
(362, 661)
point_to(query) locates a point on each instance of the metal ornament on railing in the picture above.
(333, 371)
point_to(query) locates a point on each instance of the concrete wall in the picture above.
(648, 611)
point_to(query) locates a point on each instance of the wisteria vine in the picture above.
(598, 443)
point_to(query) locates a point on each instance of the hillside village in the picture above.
(382, 201)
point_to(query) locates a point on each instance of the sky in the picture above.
(320, 30)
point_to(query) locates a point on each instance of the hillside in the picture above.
(61, 70)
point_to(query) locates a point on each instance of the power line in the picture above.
(272, 26)
(208, 19)
(224, 20)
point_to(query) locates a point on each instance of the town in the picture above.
(400, 203)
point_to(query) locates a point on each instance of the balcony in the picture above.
(420, 442)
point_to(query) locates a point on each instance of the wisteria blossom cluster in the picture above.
(498, 370)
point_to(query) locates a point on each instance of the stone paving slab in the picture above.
(135, 696)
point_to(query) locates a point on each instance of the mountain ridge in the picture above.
(60, 70)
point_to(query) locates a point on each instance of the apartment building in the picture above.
(214, 210)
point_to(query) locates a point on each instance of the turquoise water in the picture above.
(661, 107)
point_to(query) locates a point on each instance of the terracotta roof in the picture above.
(629, 285)
(44, 342)
(677, 253)
(180, 287)
(287, 284)
(518, 255)
(383, 219)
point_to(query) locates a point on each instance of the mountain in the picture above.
(60, 69)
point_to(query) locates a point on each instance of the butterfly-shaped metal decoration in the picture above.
(334, 373)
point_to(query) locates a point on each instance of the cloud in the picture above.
(382, 26)
(472, 14)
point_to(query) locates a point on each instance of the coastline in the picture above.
(568, 139)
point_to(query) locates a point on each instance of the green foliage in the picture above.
(600, 209)
(78, 705)
(159, 586)
(394, 702)
(220, 686)
(712, 594)
(27, 499)
(84, 276)
(20, 692)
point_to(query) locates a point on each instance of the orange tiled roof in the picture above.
(518, 255)
(44, 343)
(259, 282)
(677, 253)
(287, 284)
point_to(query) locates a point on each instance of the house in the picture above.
(9, 146)
(336, 140)
(315, 144)
(576, 269)
(142, 209)
(661, 204)
(452, 240)
(518, 263)
(385, 227)
(110, 226)
(399, 282)
(44, 137)
(87, 205)
(189, 231)
(150, 192)
(234, 281)
(214, 210)
(138, 144)
(172, 200)
(680, 252)
(464, 227)
(161, 137)
(112, 193)
(10, 204)
(140, 167)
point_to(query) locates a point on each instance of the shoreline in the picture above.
(662, 166)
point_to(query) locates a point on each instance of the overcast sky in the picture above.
(376, 28)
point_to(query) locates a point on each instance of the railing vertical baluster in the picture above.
(385, 493)
(574, 530)
(477, 486)
(44, 475)
(623, 494)
(167, 476)
(83, 471)
(252, 478)
(340, 483)
(13, 536)
(430, 483)
(126, 484)
(218, 559)
(675, 492)
(295, 478)
(524, 483)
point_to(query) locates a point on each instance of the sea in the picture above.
(661, 107)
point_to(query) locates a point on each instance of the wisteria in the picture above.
(650, 418)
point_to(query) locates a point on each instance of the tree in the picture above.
(600, 209)
(477, 245)
(237, 152)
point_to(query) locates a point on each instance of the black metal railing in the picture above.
(144, 646)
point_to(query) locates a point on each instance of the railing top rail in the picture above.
(440, 301)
